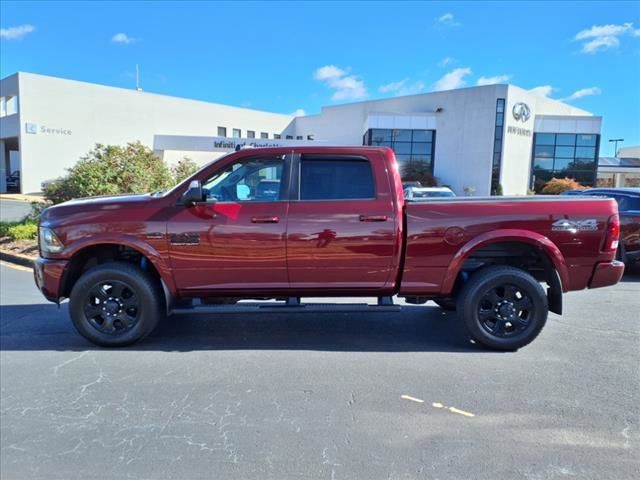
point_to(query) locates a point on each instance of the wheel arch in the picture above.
(95, 253)
(550, 255)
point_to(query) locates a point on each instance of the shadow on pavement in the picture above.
(415, 328)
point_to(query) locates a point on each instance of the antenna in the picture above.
(138, 88)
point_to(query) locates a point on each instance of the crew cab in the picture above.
(286, 223)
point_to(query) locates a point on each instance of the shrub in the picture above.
(183, 169)
(110, 170)
(555, 186)
(23, 231)
(415, 170)
(4, 228)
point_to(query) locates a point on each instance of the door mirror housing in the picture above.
(193, 194)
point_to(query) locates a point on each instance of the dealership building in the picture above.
(472, 139)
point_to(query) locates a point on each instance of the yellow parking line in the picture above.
(413, 399)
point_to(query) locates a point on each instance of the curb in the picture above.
(16, 258)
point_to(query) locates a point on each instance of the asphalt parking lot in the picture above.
(321, 395)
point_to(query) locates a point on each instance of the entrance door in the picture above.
(235, 240)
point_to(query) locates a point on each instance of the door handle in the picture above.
(265, 219)
(373, 218)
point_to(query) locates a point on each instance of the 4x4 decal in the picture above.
(573, 226)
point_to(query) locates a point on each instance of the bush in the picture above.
(417, 171)
(111, 170)
(23, 231)
(5, 226)
(555, 186)
(183, 169)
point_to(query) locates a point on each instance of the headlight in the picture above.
(49, 241)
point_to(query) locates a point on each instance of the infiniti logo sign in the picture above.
(521, 112)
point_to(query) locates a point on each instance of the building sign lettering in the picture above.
(34, 129)
(523, 132)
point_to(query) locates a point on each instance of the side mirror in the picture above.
(193, 194)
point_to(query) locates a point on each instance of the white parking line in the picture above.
(15, 267)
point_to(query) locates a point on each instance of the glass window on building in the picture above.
(497, 148)
(563, 155)
(222, 131)
(276, 136)
(237, 133)
(289, 137)
(409, 145)
(298, 137)
(264, 135)
(251, 134)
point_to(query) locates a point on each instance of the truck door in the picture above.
(236, 239)
(341, 224)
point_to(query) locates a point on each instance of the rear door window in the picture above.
(336, 178)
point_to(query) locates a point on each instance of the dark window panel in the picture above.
(264, 135)
(381, 135)
(565, 152)
(586, 140)
(544, 151)
(498, 132)
(402, 135)
(542, 163)
(545, 138)
(222, 131)
(422, 158)
(402, 148)
(499, 119)
(586, 152)
(422, 135)
(566, 139)
(421, 148)
(334, 179)
(562, 163)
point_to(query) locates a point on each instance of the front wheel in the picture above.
(115, 304)
(503, 307)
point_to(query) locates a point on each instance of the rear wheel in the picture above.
(503, 307)
(115, 304)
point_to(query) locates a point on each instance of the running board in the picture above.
(286, 308)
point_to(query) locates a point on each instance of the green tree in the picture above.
(110, 170)
(183, 169)
(416, 170)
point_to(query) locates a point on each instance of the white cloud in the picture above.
(446, 61)
(543, 90)
(448, 20)
(403, 87)
(346, 86)
(583, 92)
(603, 37)
(123, 38)
(493, 80)
(16, 33)
(453, 79)
(299, 113)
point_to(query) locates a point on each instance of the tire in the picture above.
(115, 304)
(446, 304)
(503, 308)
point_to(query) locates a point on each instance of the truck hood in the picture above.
(83, 206)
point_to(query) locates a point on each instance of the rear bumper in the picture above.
(606, 274)
(48, 276)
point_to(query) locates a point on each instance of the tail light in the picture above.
(612, 234)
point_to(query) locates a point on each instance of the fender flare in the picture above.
(506, 235)
(134, 243)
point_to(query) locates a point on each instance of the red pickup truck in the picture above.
(285, 223)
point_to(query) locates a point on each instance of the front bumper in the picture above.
(606, 274)
(48, 275)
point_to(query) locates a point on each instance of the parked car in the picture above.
(13, 182)
(338, 226)
(628, 200)
(421, 193)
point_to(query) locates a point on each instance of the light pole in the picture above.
(615, 147)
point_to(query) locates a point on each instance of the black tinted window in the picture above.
(335, 179)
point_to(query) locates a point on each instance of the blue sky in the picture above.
(285, 57)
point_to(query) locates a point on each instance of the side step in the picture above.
(292, 305)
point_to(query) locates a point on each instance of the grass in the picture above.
(25, 230)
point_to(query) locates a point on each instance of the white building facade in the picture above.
(473, 139)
